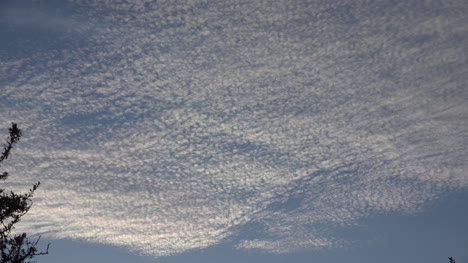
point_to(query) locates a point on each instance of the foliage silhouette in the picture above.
(15, 248)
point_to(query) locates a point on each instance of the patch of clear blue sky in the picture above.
(426, 237)
(29, 28)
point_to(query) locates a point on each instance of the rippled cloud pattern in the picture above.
(167, 126)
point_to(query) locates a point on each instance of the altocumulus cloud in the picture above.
(178, 125)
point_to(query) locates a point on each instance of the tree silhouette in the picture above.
(15, 248)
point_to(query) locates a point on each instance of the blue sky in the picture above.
(256, 131)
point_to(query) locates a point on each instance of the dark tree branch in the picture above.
(17, 248)
(15, 135)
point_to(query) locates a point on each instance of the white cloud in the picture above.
(162, 138)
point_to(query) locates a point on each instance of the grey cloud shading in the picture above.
(180, 125)
(30, 28)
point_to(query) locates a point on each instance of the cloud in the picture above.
(32, 16)
(181, 125)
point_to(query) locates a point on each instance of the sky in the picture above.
(239, 131)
